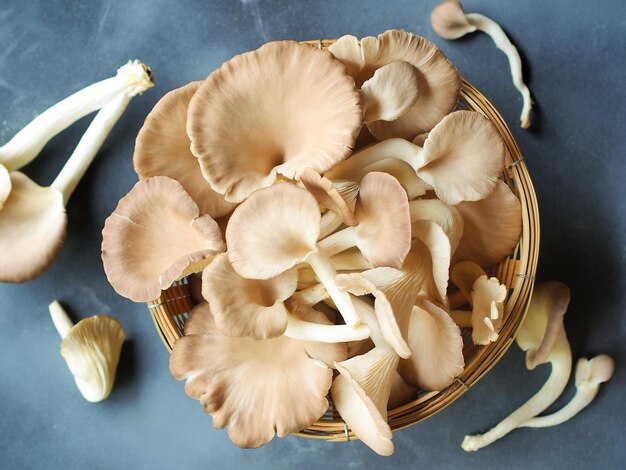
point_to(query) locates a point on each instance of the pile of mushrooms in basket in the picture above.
(341, 210)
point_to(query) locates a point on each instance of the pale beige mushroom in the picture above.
(447, 217)
(277, 228)
(155, 236)
(383, 232)
(256, 388)
(162, 148)
(327, 194)
(437, 347)
(91, 349)
(274, 111)
(439, 249)
(439, 82)
(491, 227)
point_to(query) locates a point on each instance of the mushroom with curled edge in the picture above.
(277, 228)
(270, 112)
(439, 82)
(162, 148)
(462, 139)
(486, 296)
(91, 349)
(447, 217)
(450, 22)
(383, 231)
(256, 388)
(543, 338)
(33, 221)
(141, 254)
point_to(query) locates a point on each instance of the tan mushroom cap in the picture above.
(464, 156)
(361, 392)
(488, 297)
(439, 249)
(323, 190)
(439, 82)
(32, 229)
(449, 21)
(491, 228)
(91, 350)
(256, 388)
(437, 347)
(273, 230)
(155, 236)
(277, 110)
(5, 184)
(247, 307)
(163, 148)
(391, 92)
(447, 217)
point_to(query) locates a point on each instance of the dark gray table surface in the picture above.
(575, 65)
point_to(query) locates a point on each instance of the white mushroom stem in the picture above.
(368, 313)
(132, 78)
(329, 222)
(61, 320)
(587, 387)
(502, 42)
(339, 241)
(89, 145)
(561, 361)
(308, 331)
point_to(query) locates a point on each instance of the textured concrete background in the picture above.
(575, 58)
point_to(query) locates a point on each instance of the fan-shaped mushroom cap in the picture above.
(438, 244)
(162, 148)
(247, 307)
(543, 323)
(155, 236)
(447, 217)
(437, 348)
(32, 229)
(391, 92)
(256, 388)
(276, 110)
(449, 21)
(491, 228)
(488, 297)
(91, 350)
(325, 192)
(361, 392)
(402, 171)
(5, 184)
(439, 82)
(463, 156)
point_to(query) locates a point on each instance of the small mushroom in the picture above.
(590, 373)
(163, 149)
(274, 111)
(450, 22)
(383, 232)
(544, 316)
(327, 194)
(91, 349)
(155, 236)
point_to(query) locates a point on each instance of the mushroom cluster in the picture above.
(344, 269)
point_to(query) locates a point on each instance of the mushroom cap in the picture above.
(491, 227)
(155, 236)
(5, 184)
(488, 297)
(383, 233)
(464, 275)
(272, 231)
(449, 21)
(163, 148)
(446, 216)
(434, 238)
(543, 322)
(361, 392)
(91, 350)
(437, 346)
(464, 156)
(439, 82)
(391, 92)
(277, 110)
(592, 372)
(256, 388)
(247, 307)
(325, 192)
(32, 229)
(400, 170)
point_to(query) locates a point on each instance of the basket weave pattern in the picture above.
(169, 312)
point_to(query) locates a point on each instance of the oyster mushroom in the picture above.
(274, 111)
(450, 22)
(327, 194)
(447, 217)
(163, 149)
(91, 349)
(175, 239)
(439, 82)
(256, 388)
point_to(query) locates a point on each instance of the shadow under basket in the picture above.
(517, 272)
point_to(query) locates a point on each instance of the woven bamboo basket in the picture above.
(170, 311)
